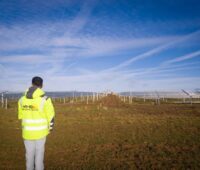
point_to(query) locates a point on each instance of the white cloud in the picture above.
(154, 51)
(183, 58)
(46, 42)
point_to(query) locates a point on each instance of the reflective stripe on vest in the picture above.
(34, 121)
(32, 128)
(42, 103)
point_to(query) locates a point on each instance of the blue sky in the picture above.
(121, 45)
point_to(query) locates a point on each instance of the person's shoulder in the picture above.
(46, 97)
(21, 97)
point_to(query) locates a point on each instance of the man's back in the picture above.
(35, 121)
(37, 114)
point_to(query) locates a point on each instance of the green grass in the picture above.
(137, 136)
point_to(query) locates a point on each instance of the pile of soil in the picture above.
(112, 100)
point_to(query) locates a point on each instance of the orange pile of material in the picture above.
(111, 101)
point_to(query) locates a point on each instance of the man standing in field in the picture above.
(37, 113)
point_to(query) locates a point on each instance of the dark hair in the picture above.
(37, 81)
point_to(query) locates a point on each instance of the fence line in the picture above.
(128, 97)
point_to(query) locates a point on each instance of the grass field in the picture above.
(111, 136)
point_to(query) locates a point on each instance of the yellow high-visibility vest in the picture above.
(36, 112)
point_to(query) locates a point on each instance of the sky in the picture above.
(98, 45)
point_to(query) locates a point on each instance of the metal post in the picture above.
(73, 96)
(81, 97)
(183, 99)
(87, 98)
(2, 100)
(97, 96)
(158, 98)
(6, 103)
(93, 97)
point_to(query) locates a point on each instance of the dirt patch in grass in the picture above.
(112, 101)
